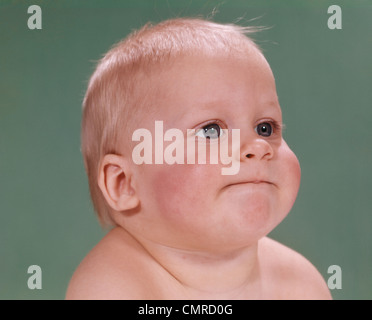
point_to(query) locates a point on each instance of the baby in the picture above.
(183, 229)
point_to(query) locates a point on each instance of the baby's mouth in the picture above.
(251, 182)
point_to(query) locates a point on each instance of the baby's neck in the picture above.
(206, 275)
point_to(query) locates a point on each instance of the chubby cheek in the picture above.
(290, 177)
(183, 192)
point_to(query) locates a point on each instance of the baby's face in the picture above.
(194, 206)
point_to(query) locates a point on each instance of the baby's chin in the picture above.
(237, 230)
(253, 211)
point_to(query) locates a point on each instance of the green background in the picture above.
(324, 84)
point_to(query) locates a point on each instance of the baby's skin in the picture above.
(185, 231)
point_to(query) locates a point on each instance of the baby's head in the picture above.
(188, 74)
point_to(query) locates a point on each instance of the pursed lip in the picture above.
(250, 182)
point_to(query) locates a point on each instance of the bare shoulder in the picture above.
(289, 274)
(110, 271)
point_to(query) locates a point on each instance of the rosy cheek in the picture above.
(178, 189)
(291, 174)
(294, 164)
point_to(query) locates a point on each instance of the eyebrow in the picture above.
(204, 106)
(212, 104)
(272, 104)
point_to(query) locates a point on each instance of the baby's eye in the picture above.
(210, 131)
(264, 129)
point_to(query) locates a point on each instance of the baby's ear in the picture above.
(114, 180)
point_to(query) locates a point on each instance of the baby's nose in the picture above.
(257, 149)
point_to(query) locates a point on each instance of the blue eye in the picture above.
(210, 131)
(264, 129)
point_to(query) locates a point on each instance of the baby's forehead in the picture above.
(207, 82)
(158, 81)
(192, 68)
(192, 64)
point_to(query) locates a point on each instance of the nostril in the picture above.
(249, 155)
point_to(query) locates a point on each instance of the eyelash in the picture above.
(277, 127)
(210, 122)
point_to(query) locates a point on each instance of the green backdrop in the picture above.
(324, 81)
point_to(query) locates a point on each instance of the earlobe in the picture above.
(114, 180)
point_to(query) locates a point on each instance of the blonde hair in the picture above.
(114, 92)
